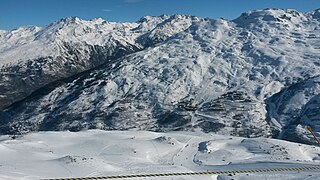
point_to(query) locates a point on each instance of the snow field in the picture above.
(101, 153)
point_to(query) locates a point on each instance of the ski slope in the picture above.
(104, 153)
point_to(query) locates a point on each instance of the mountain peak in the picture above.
(284, 17)
(164, 16)
(316, 14)
(98, 20)
(180, 16)
(70, 19)
(268, 14)
(152, 18)
(66, 21)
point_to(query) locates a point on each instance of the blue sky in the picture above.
(15, 13)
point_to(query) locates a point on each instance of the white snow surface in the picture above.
(104, 153)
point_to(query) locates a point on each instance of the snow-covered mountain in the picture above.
(31, 57)
(252, 76)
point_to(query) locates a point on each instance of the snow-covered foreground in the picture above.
(105, 153)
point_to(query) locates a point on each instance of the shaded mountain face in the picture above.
(294, 107)
(243, 77)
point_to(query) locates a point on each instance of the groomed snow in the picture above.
(104, 153)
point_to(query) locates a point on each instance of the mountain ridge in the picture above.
(69, 46)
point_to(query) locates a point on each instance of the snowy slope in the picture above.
(294, 106)
(102, 153)
(31, 57)
(212, 75)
